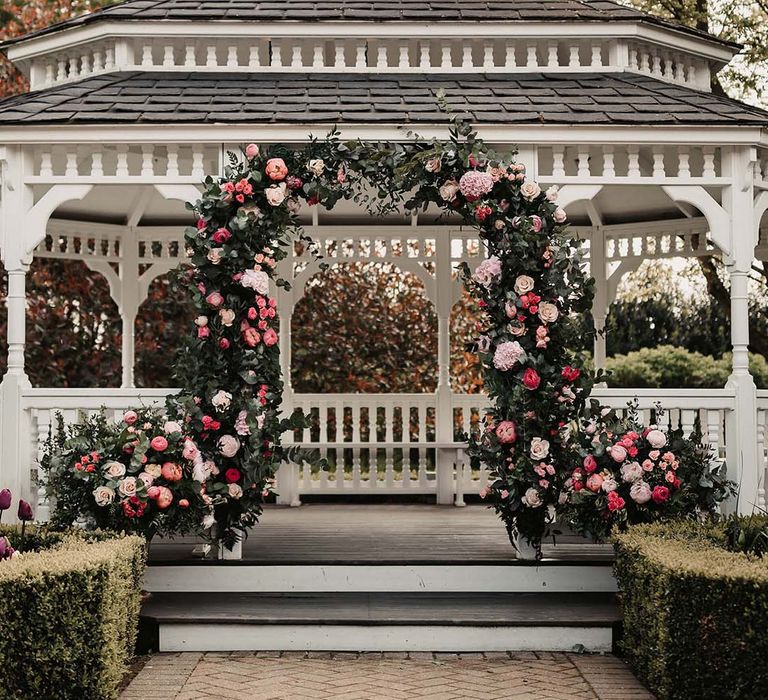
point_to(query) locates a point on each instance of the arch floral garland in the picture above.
(530, 285)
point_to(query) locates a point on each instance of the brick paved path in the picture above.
(315, 676)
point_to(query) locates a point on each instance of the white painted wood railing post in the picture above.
(598, 268)
(444, 466)
(128, 303)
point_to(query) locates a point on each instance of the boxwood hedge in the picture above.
(69, 616)
(695, 614)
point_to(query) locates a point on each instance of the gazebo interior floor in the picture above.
(344, 533)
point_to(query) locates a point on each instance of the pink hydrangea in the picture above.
(507, 355)
(488, 272)
(474, 184)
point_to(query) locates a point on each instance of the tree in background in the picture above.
(364, 327)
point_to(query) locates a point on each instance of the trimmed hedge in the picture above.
(667, 366)
(69, 616)
(695, 614)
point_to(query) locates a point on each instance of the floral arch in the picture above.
(530, 284)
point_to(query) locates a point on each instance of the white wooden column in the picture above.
(128, 301)
(598, 267)
(444, 398)
(741, 429)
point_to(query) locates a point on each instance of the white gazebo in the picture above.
(132, 106)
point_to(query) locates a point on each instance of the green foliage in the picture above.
(747, 534)
(695, 614)
(69, 616)
(673, 367)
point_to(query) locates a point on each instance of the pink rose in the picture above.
(536, 223)
(594, 482)
(590, 464)
(164, 497)
(660, 494)
(559, 216)
(130, 417)
(531, 379)
(251, 151)
(506, 432)
(221, 235)
(270, 337)
(276, 169)
(159, 443)
(215, 299)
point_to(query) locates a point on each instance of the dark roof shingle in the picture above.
(370, 11)
(534, 98)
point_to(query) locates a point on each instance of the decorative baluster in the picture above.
(405, 59)
(190, 57)
(85, 64)
(668, 71)
(49, 74)
(389, 463)
(466, 56)
(687, 420)
(146, 55)
(198, 169)
(98, 60)
(609, 169)
(422, 437)
(425, 60)
(645, 61)
(708, 153)
(339, 61)
(97, 167)
(211, 56)
(168, 58)
(633, 64)
(173, 161)
(510, 60)
(683, 162)
(73, 67)
(381, 57)
(361, 60)
(597, 56)
(42, 419)
(339, 437)
(488, 61)
(691, 75)
(558, 158)
(71, 168)
(356, 453)
(297, 60)
(318, 56)
(109, 61)
(445, 57)
(277, 56)
(405, 427)
(633, 160)
(762, 458)
(46, 164)
(583, 164)
(552, 60)
(61, 73)
(254, 60)
(656, 69)
(658, 163)
(574, 56)
(679, 69)
(532, 59)
(147, 160)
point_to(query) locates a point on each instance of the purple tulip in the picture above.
(4, 546)
(5, 499)
(25, 511)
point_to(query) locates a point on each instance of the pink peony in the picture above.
(618, 453)
(505, 432)
(164, 497)
(507, 355)
(276, 169)
(488, 272)
(590, 464)
(159, 443)
(656, 439)
(171, 472)
(474, 184)
(130, 417)
(251, 151)
(594, 482)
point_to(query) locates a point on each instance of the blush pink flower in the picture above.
(488, 272)
(251, 151)
(215, 299)
(507, 355)
(276, 169)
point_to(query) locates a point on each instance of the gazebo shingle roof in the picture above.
(532, 98)
(371, 10)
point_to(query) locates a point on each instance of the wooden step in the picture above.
(381, 622)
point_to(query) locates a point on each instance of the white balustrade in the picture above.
(762, 447)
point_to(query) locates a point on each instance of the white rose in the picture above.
(201, 321)
(275, 194)
(257, 280)
(532, 498)
(553, 193)
(221, 400)
(103, 495)
(448, 190)
(517, 329)
(154, 470)
(523, 284)
(530, 190)
(114, 470)
(171, 426)
(214, 255)
(433, 164)
(631, 471)
(548, 312)
(559, 215)
(539, 448)
(656, 439)
(609, 485)
(200, 470)
(235, 491)
(640, 492)
(227, 316)
(146, 479)
(127, 486)
(316, 166)
(228, 445)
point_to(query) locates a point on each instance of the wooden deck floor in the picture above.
(336, 533)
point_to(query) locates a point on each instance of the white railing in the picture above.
(762, 446)
(388, 443)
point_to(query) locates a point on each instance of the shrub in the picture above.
(695, 614)
(69, 615)
(667, 366)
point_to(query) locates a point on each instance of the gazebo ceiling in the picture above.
(527, 98)
(518, 11)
